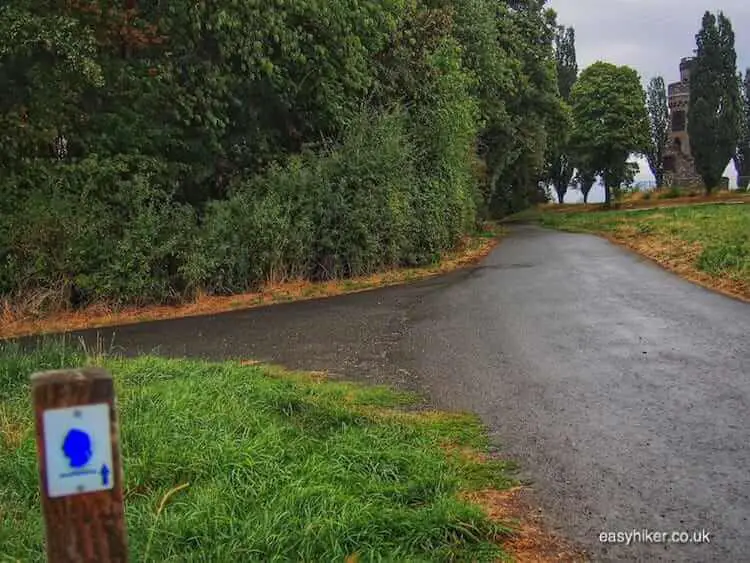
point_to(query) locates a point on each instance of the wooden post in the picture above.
(78, 448)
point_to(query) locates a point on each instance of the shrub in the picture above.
(369, 197)
(344, 211)
(104, 229)
(243, 240)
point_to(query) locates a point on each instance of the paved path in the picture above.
(623, 391)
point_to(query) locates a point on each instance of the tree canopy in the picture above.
(715, 107)
(610, 121)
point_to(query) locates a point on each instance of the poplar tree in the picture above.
(715, 106)
(658, 117)
(560, 165)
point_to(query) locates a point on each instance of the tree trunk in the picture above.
(607, 195)
(585, 197)
(560, 195)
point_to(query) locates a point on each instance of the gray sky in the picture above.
(648, 35)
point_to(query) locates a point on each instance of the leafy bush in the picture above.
(97, 229)
(248, 238)
(346, 211)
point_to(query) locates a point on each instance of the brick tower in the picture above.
(679, 168)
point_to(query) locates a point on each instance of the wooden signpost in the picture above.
(80, 467)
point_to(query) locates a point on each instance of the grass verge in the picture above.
(707, 244)
(243, 462)
(18, 320)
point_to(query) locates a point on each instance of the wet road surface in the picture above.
(622, 390)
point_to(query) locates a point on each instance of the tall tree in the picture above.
(521, 100)
(565, 57)
(742, 155)
(715, 106)
(658, 115)
(610, 121)
(560, 167)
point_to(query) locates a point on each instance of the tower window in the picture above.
(678, 121)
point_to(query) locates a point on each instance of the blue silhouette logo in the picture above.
(77, 448)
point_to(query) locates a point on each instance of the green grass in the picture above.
(275, 466)
(721, 231)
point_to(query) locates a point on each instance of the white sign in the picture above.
(77, 450)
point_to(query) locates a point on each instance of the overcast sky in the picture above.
(648, 35)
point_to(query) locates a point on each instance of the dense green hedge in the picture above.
(214, 148)
(349, 210)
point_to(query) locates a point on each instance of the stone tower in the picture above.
(679, 168)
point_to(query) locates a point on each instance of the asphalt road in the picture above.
(623, 391)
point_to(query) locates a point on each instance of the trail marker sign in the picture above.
(80, 468)
(77, 450)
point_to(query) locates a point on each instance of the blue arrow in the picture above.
(105, 475)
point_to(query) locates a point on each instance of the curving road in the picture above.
(623, 391)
